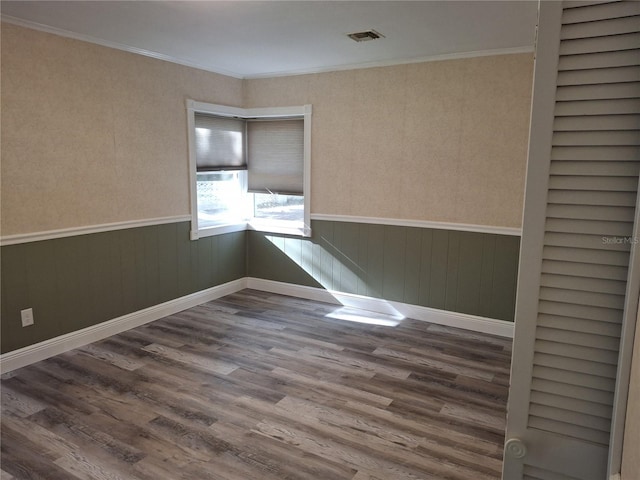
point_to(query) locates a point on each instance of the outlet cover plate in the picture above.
(27, 317)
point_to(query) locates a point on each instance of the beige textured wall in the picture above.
(631, 447)
(93, 135)
(441, 141)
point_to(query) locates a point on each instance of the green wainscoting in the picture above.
(76, 282)
(466, 272)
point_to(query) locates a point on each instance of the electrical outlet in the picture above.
(27, 317)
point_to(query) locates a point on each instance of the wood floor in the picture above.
(260, 386)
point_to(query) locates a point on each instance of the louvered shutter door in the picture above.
(583, 253)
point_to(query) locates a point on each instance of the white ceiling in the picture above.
(253, 39)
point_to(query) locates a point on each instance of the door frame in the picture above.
(627, 337)
(534, 217)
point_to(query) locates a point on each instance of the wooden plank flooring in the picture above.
(261, 386)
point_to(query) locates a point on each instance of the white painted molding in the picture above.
(441, 317)
(402, 61)
(40, 351)
(219, 230)
(72, 232)
(118, 46)
(463, 227)
(617, 476)
(215, 109)
(55, 346)
(249, 113)
(334, 68)
(630, 320)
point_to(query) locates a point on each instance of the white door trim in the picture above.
(533, 227)
(627, 336)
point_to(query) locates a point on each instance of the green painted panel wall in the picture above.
(76, 282)
(464, 272)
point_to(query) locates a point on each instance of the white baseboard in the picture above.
(441, 317)
(40, 351)
(48, 348)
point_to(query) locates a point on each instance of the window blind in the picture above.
(276, 156)
(220, 143)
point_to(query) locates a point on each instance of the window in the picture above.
(220, 169)
(250, 168)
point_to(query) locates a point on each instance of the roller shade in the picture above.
(276, 156)
(220, 143)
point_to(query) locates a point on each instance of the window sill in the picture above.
(218, 230)
(257, 226)
(268, 227)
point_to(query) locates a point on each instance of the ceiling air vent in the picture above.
(365, 36)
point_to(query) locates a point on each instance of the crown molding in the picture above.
(391, 63)
(287, 73)
(109, 44)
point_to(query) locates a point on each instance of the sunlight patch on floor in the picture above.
(362, 316)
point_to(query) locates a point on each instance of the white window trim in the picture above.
(269, 112)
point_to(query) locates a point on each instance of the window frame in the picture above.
(303, 112)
